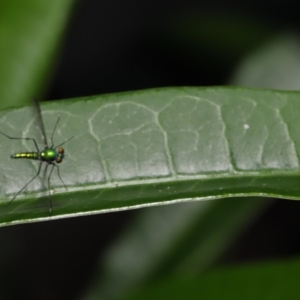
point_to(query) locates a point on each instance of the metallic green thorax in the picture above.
(48, 155)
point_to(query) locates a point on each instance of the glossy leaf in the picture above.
(155, 147)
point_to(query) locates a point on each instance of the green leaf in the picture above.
(30, 31)
(155, 147)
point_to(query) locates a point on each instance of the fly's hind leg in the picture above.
(54, 165)
(21, 138)
(35, 176)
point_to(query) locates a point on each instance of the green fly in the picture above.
(52, 155)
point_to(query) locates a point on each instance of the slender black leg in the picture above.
(50, 200)
(35, 176)
(52, 144)
(60, 177)
(19, 138)
(45, 173)
(54, 165)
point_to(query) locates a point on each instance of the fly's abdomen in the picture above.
(28, 155)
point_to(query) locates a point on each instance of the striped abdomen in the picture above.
(29, 155)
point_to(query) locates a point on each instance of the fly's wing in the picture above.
(41, 136)
(39, 124)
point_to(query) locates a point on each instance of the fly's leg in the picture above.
(45, 172)
(20, 138)
(52, 144)
(35, 176)
(53, 165)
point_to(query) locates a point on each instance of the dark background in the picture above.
(114, 46)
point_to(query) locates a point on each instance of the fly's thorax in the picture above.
(48, 155)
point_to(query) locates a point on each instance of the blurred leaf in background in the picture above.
(30, 33)
(281, 60)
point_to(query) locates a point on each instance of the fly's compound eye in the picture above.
(60, 150)
(60, 156)
(58, 160)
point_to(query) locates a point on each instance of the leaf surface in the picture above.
(155, 147)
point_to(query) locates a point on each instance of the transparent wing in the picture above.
(39, 124)
(42, 138)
